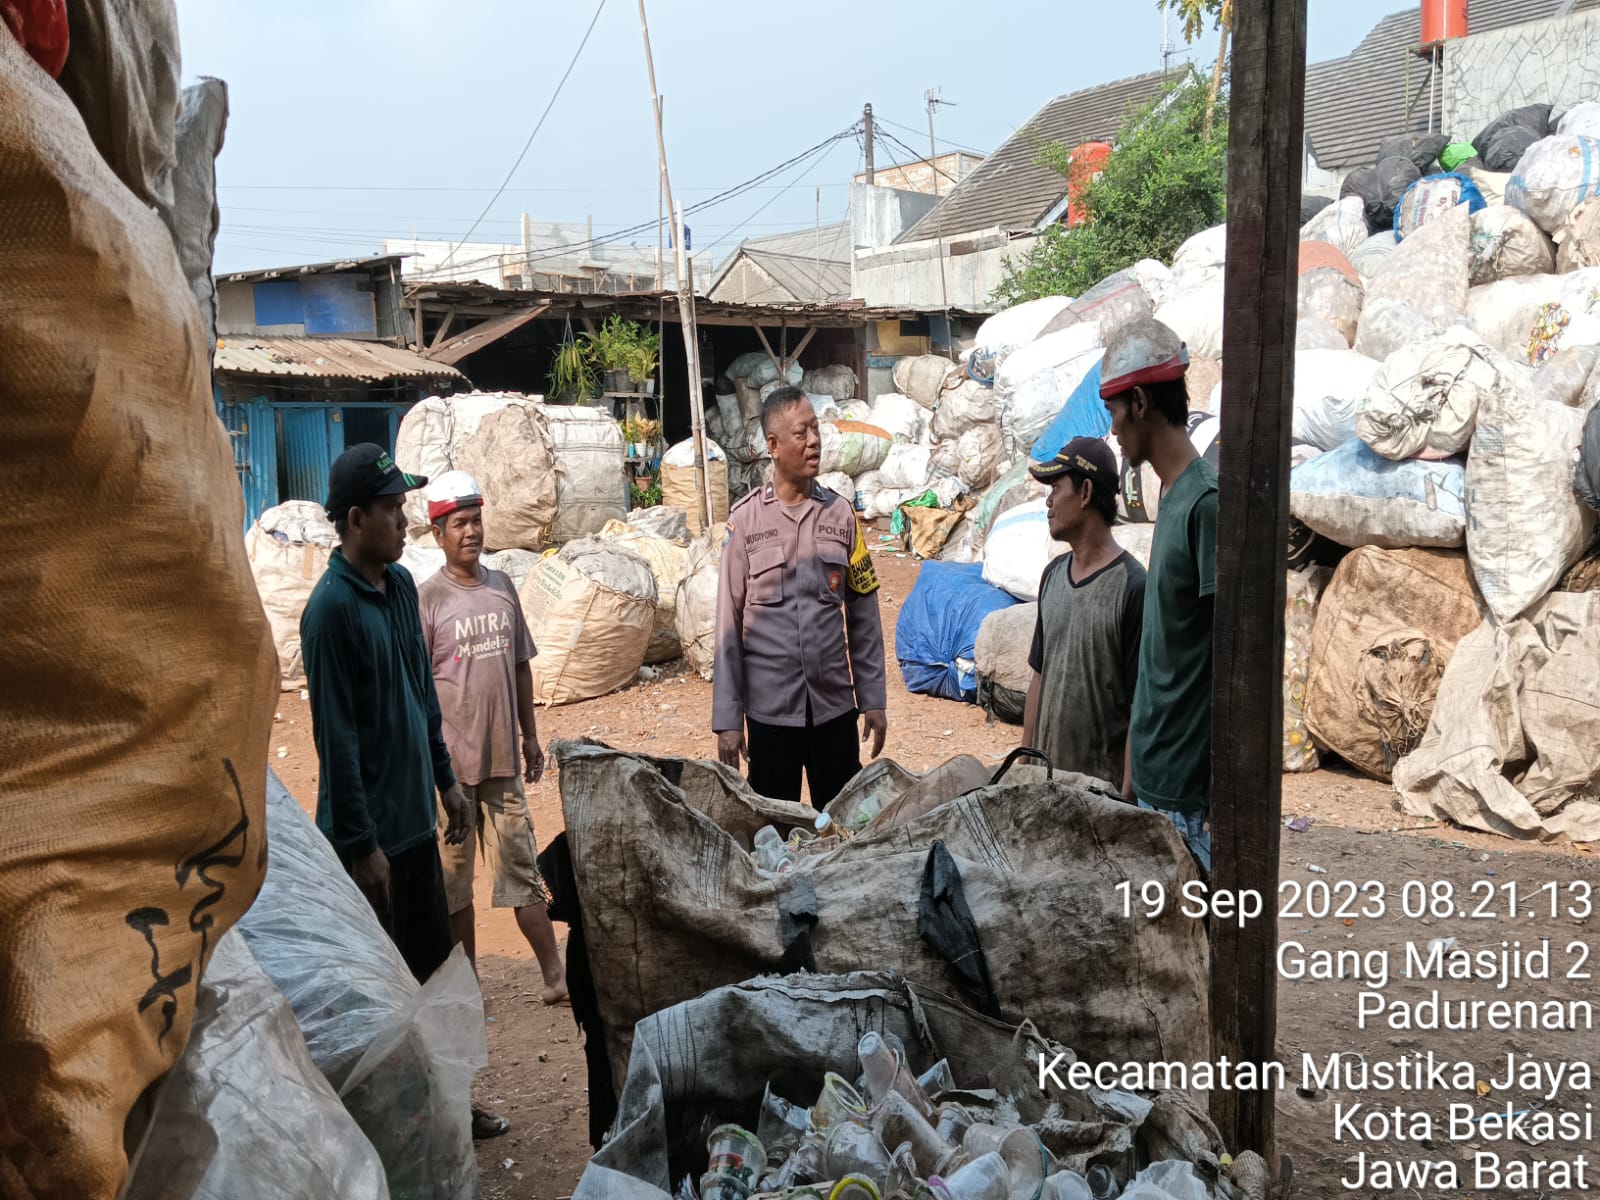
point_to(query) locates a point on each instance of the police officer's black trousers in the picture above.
(829, 754)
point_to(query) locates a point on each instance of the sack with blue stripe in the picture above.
(1356, 497)
(1554, 177)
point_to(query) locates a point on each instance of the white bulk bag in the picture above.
(1199, 262)
(1017, 550)
(1422, 290)
(1530, 317)
(1037, 380)
(1526, 523)
(1359, 498)
(591, 486)
(1506, 242)
(1424, 399)
(835, 380)
(898, 416)
(905, 467)
(681, 489)
(960, 408)
(1329, 386)
(1554, 176)
(1016, 326)
(1195, 315)
(923, 376)
(502, 440)
(288, 547)
(1342, 223)
(852, 446)
(591, 608)
(695, 607)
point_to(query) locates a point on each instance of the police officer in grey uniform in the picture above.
(799, 637)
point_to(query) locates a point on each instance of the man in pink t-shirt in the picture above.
(481, 651)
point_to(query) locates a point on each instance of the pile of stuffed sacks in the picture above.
(1444, 371)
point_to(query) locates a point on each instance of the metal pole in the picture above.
(866, 119)
(685, 296)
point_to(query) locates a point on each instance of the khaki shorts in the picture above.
(506, 831)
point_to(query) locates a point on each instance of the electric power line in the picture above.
(919, 133)
(823, 154)
(919, 157)
(593, 21)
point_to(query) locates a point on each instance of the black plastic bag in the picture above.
(1310, 206)
(1503, 141)
(1380, 189)
(1423, 149)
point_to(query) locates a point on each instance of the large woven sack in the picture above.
(1356, 497)
(1039, 379)
(1422, 289)
(673, 904)
(1329, 289)
(1004, 640)
(288, 548)
(1106, 307)
(1195, 315)
(1018, 549)
(853, 446)
(1530, 317)
(923, 376)
(503, 441)
(1578, 241)
(1329, 386)
(1302, 589)
(590, 486)
(901, 417)
(1433, 196)
(669, 562)
(1397, 689)
(680, 485)
(960, 408)
(1342, 224)
(1372, 593)
(1525, 524)
(591, 608)
(835, 380)
(1016, 326)
(139, 676)
(1555, 176)
(1511, 744)
(1506, 242)
(695, 606)
(1424, 399)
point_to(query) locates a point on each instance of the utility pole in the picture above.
(1265, 140)
(932, 97)
(866, 120)
(661, 213)
(691, 337)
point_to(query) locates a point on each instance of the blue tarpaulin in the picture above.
(1083, 415)
(936, 635)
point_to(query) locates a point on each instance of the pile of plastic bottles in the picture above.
(839, 1148)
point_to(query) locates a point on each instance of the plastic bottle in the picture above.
(826, 826)
(770, 852)
(1102, 1183)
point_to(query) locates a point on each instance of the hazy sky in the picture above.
(352, 120)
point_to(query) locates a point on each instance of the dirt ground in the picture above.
(536, 1074)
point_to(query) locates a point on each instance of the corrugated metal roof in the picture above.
(326, 358)
(1009, 189)
(812, 265)
(1354, 102)
(321, 268)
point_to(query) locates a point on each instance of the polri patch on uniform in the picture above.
(863, 579)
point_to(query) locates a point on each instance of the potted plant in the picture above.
(572, 375)
(624, 351)
(640, 433)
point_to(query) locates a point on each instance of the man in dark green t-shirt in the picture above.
(1142, 384)
(375, 714)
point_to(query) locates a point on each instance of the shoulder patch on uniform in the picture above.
(863, 578)
(743, 500)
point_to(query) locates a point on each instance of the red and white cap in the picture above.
(1142, 351)
(450, 491)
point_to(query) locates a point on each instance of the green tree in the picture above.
(1194, 14)
(1163, 183)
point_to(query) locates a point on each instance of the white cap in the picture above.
(450, 491)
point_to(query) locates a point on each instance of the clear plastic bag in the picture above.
(245, 1115)
(401, 1057)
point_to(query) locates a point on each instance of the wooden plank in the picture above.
(794, 355)
(767, 346)
(444, 328)
(1266, 124)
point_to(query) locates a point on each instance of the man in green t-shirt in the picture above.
(1169, 741)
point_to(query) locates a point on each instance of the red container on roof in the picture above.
(1443, 19)
(1083, 164)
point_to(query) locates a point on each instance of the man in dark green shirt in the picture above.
(375, 715)
(1169, 742)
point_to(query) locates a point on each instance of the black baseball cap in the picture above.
(1085, 457)
(362, 473)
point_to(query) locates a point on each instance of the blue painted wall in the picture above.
(278, 302)
(336, 305)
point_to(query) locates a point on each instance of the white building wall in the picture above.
(1554, 61)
